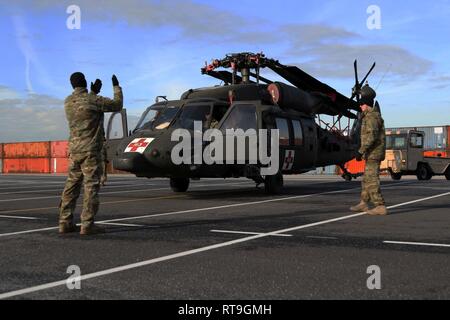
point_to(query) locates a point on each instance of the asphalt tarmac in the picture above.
(225, 239)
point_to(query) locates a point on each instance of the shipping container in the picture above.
(1, 150)
(435, 137)
(59, 149)
(448, 138)
(59, 165)
(34, 165)
(1, 166)
(26, 150)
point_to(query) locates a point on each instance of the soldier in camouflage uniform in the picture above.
(95, 90)
(84, 113)
(373, 150)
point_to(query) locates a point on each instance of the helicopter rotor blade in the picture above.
(356, 87)
(370, 71)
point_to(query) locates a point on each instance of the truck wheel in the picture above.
(447, 174)
(396, 176)
(179, 184)
(274, 184)
(423, 173)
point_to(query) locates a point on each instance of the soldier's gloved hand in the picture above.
(115, 81)
(359, 157)
(97, 86)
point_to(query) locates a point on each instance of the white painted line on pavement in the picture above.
(122, 224)
(195, 251)
(418, 244)
(61, 189)
(323, 238)
(248, 233)
(21, 218)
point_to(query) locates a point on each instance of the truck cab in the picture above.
(405, 155)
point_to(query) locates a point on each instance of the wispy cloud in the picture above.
(24, 44)
(330, 52)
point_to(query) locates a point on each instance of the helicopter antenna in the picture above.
(384, 75)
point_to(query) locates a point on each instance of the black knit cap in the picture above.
(78, 80)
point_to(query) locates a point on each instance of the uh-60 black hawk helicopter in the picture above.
(246, 100)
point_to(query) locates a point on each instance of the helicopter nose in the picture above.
(130, 162)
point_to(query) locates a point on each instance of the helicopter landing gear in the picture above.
(396, 176)
(274, 184)
(347, 177)
(179, 185)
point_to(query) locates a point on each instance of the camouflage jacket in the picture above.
(373, 136)
(85, 114)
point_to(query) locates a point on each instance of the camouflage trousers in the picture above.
(371, 191)
(84, 169)
(104, 167)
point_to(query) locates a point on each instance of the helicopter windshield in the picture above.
(165, 117)
(192, 113)
(148, 118)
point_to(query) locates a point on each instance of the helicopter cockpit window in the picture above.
(192, 113)
(147, 119)
(165, 117)
(241, 117)
(283, 127)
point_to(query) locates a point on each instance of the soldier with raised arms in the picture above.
(85, 114)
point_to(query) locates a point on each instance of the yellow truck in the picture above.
(405, 155)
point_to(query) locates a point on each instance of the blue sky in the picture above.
(158, 47)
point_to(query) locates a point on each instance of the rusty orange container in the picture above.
(1, 151)
(59, 149)
(36, 165)
(59, 165)
(26, 150)
(448, 138)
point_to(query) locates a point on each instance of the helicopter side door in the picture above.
(241, 115)
(302, 144)
(116, 130)
(310, 144)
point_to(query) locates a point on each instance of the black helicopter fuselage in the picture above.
(303, 144)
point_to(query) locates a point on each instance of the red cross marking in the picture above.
(134, 146)
(290, 158)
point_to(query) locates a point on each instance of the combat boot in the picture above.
(362, 207)
(91, 230)
(378, 211)
(65, 228)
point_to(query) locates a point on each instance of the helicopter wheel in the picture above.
(179, 185)
(274, 184)
(347, 177)
(396, 176)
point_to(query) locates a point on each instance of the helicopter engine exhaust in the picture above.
(289, 97)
